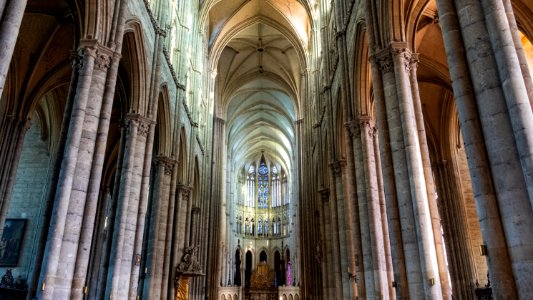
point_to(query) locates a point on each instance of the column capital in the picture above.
(76, 59)
(353, 128)
(22, 123)
(142, 123)
(103, 58)
(337, 167)
(401, 54)
(383, 61)
(364, 123)
(368, 125)
(167, 163)
(413, 62)
(220, 120)
(102, 55)
(184, 190)
(195, 210)
(324, 194)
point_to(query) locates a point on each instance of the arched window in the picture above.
(276, 188)
(266, 227)
(285, 191)
(260, 227)
(262, 181)
(246, 227)
(249, 199)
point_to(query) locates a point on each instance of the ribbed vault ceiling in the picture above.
(258, 46)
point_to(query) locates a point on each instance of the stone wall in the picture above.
(29, 190)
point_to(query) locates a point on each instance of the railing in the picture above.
(230, 293)
(289, 292)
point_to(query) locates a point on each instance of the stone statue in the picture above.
(189, 263)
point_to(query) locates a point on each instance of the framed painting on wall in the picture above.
(11, 242)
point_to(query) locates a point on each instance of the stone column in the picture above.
(159, 214)
(123, 259)
(335, 251)
(180, 233)
(461, 265)
(428, 175)
(353, 239)
(406, 212)
(2, 7)
(519, 49)
(145, 164)
(89, 54)
(168, 280)
(384, 223)
(507, 123)
(424, 232)
(87, 161)
(374, 264)
(212, 211)
(392, 200)
(329, 264)
(93, 190)
(513, 85)
(77, 63)
(339, 169)
(11, 13)
(503, 285)
(365, 266)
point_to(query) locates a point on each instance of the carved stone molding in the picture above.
(413, 62)
(336, 167)
(184, 190)
(401, 54)
(167, 163)
(103, 56)
(199, 141)
(325, 88)
(341, 33)
(322, 115)
(353, 128)
(195, 210)
(102, 60)
(24, 125)
(172, 71)
(368, 125)
(384, 62)
(220, 121)
(188, 112)
(324, 194)
(144, 129)
(76, 59)
(142, 123)
(158, 30)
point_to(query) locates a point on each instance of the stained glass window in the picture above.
(262, 180)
